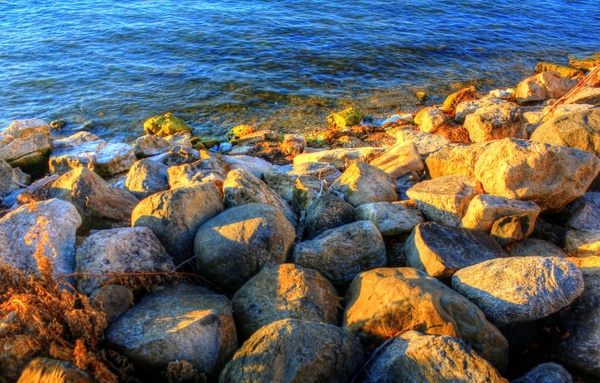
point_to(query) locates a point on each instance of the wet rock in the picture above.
(535, 247)
(165, 125)
(120, 251)
(543, 86)
(445, 199)
(146, 177)
(112, 300)
(495, 122)
(399, 160)
(546, 373)
(456, 159)
(150, 145)
(429, 119)
(283, 179)
(415, 357)
(46, 370)
(426, 143)
(179, 155)
(546, 284)
(327, 211)
(284, 291)
(293, 144)
(583, 243)
(291, 350)
(463, 95)
(441, 250)
(340, 158)
(340, 254)
(465, 108)
(344, 119)
(176, 215)
(549, 175)
(582, 213)
(391, 218)
(363, 183)
(235, 245)
(388, 301)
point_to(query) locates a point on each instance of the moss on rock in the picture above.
(165, 125)
(346, 118)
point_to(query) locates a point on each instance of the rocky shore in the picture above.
(457, 244)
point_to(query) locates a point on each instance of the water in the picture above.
(277, 64)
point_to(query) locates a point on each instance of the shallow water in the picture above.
(272, 63)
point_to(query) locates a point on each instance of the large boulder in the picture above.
(456, 159)
(416, 357)
(284, 291)
(342, 253)
(535, 247)
(341, 158)
(495, 122)
(176, 324)
(441, 250)
(119, 251)
(292, 350)
(327, 211)
(546, 373)
(545, 285)
(543, 86)
(150, 145)
(463, 109)
(445, 199)
(388, 301)
(146, 177)
(399, 160)
(364, 183)
(205, 170)
(165, 125)
(235, 245)
(176, 215)
(549, 175)
(391, 218)
(283, 179)
(26, 143)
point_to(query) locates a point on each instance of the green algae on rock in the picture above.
(165, 125)
(344, 119)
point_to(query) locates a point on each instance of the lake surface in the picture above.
(107, 66)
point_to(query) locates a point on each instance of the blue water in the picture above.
(279, 64)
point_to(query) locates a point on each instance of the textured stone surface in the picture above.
(165, 125)
(399, 160)
(112, 300)
(465, 108)
(283, 179)
(546, 373)
(543, 86)
(546, 284)
(146, 177)
(583, 243)
(441, 250)
(293, 144)
(150, 145)
(296, 351)
(106, 159)
(456, 159)
(582, 213)
(511, 229)
(25, 143)
(495, 122)
(426, 143)
(340, 158)
(388, 301)
(9, 179)
(535, 247)
(198, 172)
(391, 218)
(179, 155)
(587, 95)
(430, 119)
(549, 175)
(363, 183)
(327, 211)
(456, 98)
(46, 370)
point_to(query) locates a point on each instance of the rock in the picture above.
(582, 213)
(119, 251)
(165, 125)
(9, 179)
(179, 155)
(293, 144)
(546, 284)
(284, 291)
(442, 250)
(38, 235)
(340, 254)
(391, 218)
(588, 95)
(235, 245)
(176, 215)
(399, 160)
(549, 175)
(26, 128)
(146, 177)
(445, 199)
(292, 350)
(241, 188)
(563, 71)
(112, 300)
(208, 170)
(46, 370)
(583, 243)
(455, 159)
(283, 179)
(74, 140)
(553, 111)
(404, 183)
(430, 119)
(535, 247)
(484, 210)
(363, 183)
(75, 151)
(546, 373)
(254, 165)
(463, 95)
(25, 153)
(388, 301)
(585, 60)
(239, 131)
(415, 357)
(95, 199)
(581, 347)
(176, 325)
(344, 119)
(150, 145)
(327, 211)
(549, 232)
(307, 188)
(579, 130)
(340, 158)
(426, 143)
(496, 122)
(543, 86)
(465, 108)
(182, 138)
(114, 159)
(263, 135)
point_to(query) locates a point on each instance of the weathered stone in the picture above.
(415, 357)
(463, 95)
(9, 179)
(182, 138)
(241, 188)
(553, 111)
(340, 158)
(510, 229)
(165, 125)
(307, 188)
(340, 254)
(176, 325)
(239, 131)
(543, 86)
(293, 144)
(467, 107)
(426, 143)
(150, 145)
(399, 160)
(284, 291)
(77, 151)
(344, 119)
(176, 215)
(25, 153)
(456, 159)
(120, 251)
(283, 179)
(549, 232)
(445, 199)
(235, 245)
(74, 140)
(583, 243)
(38, 235)
(291, 350)
(26, 128)
(388, 301)
(545, 285)
(587, 95)
(254, 137)
(430, 119)
(441, 250)
(179, 155)
(112, 300)
(327, 211)
(391, 218)
(46, 370)
(404, 183)
(582, 213)
(563, 71)
(256, 166)
(546, 373)
(549, 175)
(535, 247)
(208, 170)
(146, 177)
(364, 183)
(114, 159)
(496, 122)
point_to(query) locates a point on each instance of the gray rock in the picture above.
(582, 213)
(179, 155)
(46, 370)
(546, 284)
(391, 218)
(496, 122)
(546, 373)
(283, 179)
(465, 108)
(112, 300)
(583, 243)
(404, 183)
(235, 245)
(9, 179)
(340, 254)
(426, 143)
(150, 145)
(327, 211)
(535, 247)
(256, 166)
(114, 158)
(75, 151)
(441, 250)
(146, 177)
(293, 144)
(296, 351)
(362, 183)
(340, 158)
(25, 143)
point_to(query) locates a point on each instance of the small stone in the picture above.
(341, 158)
(546, 372)
(510, 229)
(426, 143)
(112, 300)
(179, 155)
(146, 177)
(150, 145)
(58, 124)
(293, 144)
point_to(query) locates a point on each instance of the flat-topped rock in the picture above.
(493, 122)
(283, 179)
(587, 95)
(150, 145)
(399, 160)
(426, 143)
(455, 159)
(391, 218)
(341, 158)
(207, 170)
(465, 108)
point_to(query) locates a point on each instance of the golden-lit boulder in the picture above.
(364, 183)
